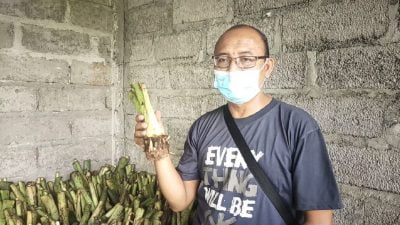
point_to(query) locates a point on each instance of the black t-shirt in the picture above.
(287, 143)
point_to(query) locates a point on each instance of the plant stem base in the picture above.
(156, 147)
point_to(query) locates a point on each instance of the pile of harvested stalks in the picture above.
(111, 195)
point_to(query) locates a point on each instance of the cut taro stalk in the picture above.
(156, 142)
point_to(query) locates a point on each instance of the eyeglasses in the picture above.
(243, 62)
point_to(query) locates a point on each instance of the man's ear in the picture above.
(269, 67)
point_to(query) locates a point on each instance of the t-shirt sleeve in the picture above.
(188, 166)
(314, 183)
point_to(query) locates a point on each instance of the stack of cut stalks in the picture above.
(111, 195)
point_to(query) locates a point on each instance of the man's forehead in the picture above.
(240, 41)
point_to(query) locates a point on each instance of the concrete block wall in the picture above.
(338, 59)
(60, 77)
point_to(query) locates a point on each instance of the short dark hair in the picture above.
(260, 33)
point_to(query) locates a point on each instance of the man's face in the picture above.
(242, 42)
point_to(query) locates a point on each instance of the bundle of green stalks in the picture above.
(111, 195)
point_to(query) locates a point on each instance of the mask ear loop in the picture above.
(264, 85)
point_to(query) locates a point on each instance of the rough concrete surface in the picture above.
(57, 86)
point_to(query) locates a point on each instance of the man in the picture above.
(285, 141)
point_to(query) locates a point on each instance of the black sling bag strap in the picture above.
(258, 173)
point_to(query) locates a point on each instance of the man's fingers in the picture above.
(139, 137)
(139, 141)
(139, 118)
(140, 126)
(140, 134)
(140, 130)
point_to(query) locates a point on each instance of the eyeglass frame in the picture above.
(235, 59)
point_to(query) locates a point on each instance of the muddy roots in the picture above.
(156, 147)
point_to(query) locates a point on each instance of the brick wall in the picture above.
(338, 59)
(59, 82)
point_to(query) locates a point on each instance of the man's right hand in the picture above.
(141, 128)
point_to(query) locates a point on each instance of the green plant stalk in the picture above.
(111, 185)
(136, 97)
(31, 194)
(77, 166)
(62, 207)
(22, 187)
(77, 206)
(17, 192)
(122, 163)
(77, 180)
(123, 196)
(85, 216)
(99, 208)
(87, 199)
(50, 184)
(103, 171)
(87, 166)
(185, 215)
(99, 179)
(64, 186)
(4, 194)
(149, 213)
(83, 203)
(140, 186)
(134, 189)
(113, 196)
(2, 217)
(129, 170)
(117, 213)
(4, 185)
(71, 183)
(43, 184)
(151, 188)
(157, 215)
(12, 196)
(19, 208)
(70, 201)
(136, 204)
(139, 213)
(100, 188)
(93, 194)
(18, 220)
(178, 218)
(8, 204)
(31, 218)
(148, 202)
(44, 220)
(73, 197)
(92, 178)
(128, 214)
(140, 99)
(57, 184)
(110, 212)
(8, 217)
(156, 222)
(50, 206)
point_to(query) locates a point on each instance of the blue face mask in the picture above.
(238, 87)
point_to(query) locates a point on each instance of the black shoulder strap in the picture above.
(258, 173)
